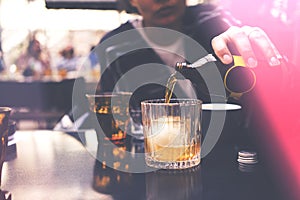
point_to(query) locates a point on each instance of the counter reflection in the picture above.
(161, 184)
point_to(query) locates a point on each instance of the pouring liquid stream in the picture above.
(170, 87)
(180, 65)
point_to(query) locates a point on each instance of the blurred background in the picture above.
(58, 24)
(51, 39)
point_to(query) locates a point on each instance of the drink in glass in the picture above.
(112, 112)
(172, 133)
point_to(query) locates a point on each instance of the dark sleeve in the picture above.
(204, 22)
(106, 53)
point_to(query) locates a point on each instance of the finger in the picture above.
(219, 44)
(259, 38)
(242, 44)
(237, 37)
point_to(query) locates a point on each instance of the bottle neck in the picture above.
(180, 65)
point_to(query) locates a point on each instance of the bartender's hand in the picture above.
(246, 39)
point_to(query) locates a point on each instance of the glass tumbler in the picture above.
(112, 112)
(172, 133)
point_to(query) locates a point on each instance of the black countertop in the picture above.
(56, 165)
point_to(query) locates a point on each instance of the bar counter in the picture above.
(57, 165)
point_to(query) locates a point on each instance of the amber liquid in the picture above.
(112, 124)
(113, 119)
(170, 87)
(172, 153)
(170, 144)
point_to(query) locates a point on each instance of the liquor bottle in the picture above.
(237, 78)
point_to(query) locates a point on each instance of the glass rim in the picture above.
(109, 94)
(180, 102)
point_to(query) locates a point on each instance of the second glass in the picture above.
(172, 133)
(112, 111)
